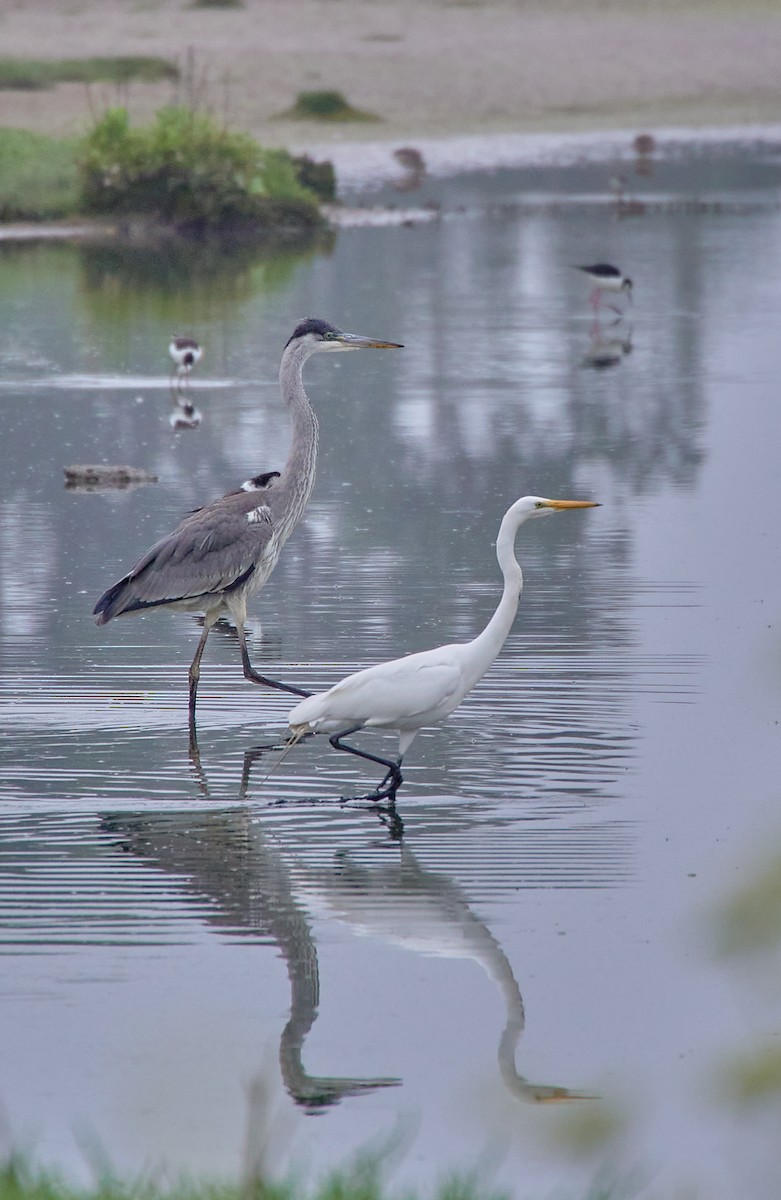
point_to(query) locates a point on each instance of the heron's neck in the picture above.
(299, 470)
(485, 647)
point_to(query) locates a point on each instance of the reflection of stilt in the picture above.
(606, 351)
(226, 857)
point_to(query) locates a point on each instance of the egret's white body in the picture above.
(406, 694)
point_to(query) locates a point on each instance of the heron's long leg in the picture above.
(254, 677)
(381, 792)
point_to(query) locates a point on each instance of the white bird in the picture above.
(606, 278)
(185, 353)
(406, 694)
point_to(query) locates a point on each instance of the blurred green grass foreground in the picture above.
(360, 1182)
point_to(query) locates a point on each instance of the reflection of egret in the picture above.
(406, 905)
(228, 858)
(420, 689)
(222, 554)
(185, 353)
(606, 278)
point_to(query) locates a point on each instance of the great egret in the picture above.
(606, 278)
(420, 689)
(222, 554)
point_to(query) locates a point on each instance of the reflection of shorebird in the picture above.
(223, 553)
(184, 414)
(226, 857)
(420, 689)
(185, 353)
(606, 278)
(606, 351)
(414, 166)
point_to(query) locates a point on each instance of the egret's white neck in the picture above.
(485, 647)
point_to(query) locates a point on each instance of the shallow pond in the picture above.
(199, 962)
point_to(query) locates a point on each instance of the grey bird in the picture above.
(223, 553)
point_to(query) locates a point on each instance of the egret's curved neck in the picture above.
(485, 647)
(299, 470)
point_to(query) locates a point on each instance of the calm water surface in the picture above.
(197, 961)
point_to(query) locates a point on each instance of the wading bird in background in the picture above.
(222, 554)
(606, 278)
(420, 689)
(185, 353)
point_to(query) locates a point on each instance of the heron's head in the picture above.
(539, 506)
(318, 335)
(626, 286)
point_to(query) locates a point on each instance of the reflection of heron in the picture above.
(227, 857)
(407, 693)
(606, 278)
(255, 884)
(223, 553)
(185, 353)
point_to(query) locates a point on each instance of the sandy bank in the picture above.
(429, 68)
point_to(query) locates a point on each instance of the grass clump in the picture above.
(361, 1182)
(32, 74)
(326, 106)
(38, 176)
(185, 171)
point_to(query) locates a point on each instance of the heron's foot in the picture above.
(254, 677)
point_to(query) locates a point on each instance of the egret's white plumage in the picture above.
(406, 694)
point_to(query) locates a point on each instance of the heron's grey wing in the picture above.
(213, 550)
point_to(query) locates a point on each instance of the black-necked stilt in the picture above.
(185, 353)
(605, 278)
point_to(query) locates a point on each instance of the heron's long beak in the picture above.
(355, 341)
(573, 504)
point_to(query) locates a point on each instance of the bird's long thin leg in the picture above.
(254, 677)
(194, 676)
(381, 792)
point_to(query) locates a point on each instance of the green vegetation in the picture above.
(185, 172)
(326, 106)
(360, 1183)
(36, 73)
(38, 176)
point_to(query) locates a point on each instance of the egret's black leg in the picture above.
(254, 677)
(381, 792)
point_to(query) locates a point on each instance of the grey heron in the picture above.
(223, 553)
(606, 278)
(420, 689)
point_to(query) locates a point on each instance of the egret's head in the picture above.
(539, 506)
(318, 335)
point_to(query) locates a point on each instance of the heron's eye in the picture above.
(328, 337)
